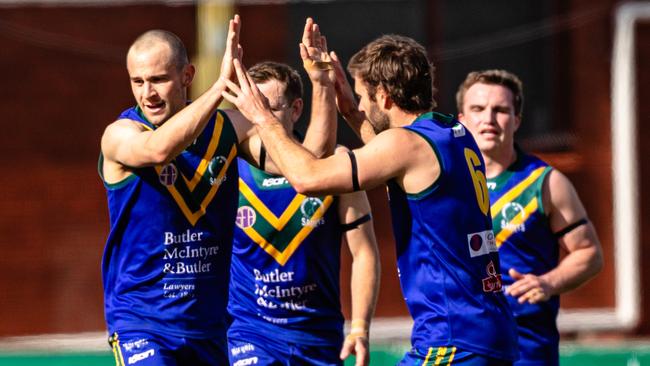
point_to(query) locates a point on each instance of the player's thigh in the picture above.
(254, 351)
(205, 352)
(143, 349)
(448, 356)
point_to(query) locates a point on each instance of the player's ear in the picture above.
(517, 122)
(383, 99)
(188, 75)
(296, 109)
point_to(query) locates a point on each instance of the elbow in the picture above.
(305, 183)
(304, 186)
(597, 262)
(160, 157)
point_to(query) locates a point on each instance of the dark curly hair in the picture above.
(400, 66)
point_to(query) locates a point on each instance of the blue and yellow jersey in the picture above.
(446, 254)
(167, 256)
(525, 240)
(285, 262)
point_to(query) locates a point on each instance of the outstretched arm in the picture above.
(387, 156)
(354, 210)
(320, 138)
(128, 144)
(584, 259)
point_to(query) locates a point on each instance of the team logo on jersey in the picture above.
(481, 243)
(492, 283)
(491, 185)
(308, 207)
(216, 164)
(510, 212)
(459, 130)
(168, 174)
(246, 217)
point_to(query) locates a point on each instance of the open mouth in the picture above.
(489, 133)
(155, 107)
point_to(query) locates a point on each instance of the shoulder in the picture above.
(559, 193)
(123, 127)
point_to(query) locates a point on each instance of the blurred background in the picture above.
(585, 69)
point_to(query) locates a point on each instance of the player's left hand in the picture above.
(528, 287)
(358, 346)
(315, 58)
(233, 49)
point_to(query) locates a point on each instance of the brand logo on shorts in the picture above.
(246, 217)
(168, 175)
(141, 356)
(246, 361)
(136, 344)
(481, 243)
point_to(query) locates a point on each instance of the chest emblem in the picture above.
(194, 194)
(280, 236)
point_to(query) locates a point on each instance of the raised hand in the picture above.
(247, 97)
(233, 49)
(313, 51)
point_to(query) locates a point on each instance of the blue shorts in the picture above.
(257, 349)
(447, 356)
(538, 343)
(149, 349)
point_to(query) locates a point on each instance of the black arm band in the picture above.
(570, 228)
(355, 224)
(262, 157)
(355, 173)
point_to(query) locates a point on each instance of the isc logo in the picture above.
(270, 182)
(141, 356)
(246, 361)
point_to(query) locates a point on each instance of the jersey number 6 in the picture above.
(478, 178)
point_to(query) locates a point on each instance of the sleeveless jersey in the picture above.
(167, 257)
(525, 240)
(285, 262)
(446, 255)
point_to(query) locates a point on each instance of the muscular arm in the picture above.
(320, 137)
(584, 259)
(395, 153)
(126, 142)
(365, 274)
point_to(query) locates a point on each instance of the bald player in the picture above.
(170, 173)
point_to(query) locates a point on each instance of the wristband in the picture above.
(317, 65)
